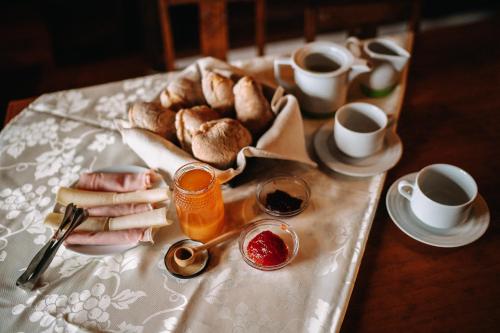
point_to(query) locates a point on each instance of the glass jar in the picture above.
(198, 201)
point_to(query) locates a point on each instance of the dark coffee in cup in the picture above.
(320, 62)
(359, 122)
(381, 49)
(441, 188)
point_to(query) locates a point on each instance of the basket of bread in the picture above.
(215, 113)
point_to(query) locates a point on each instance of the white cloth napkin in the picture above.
(283, 140)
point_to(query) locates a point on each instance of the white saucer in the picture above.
(463, 234)
(336, 160)
(104, 250)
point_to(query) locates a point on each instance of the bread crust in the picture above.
(153, 117)
(218, 142)
(218, 92)
(188, 121)
(252, 108)
(182, 93)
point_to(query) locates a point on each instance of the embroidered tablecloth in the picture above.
(63, 134)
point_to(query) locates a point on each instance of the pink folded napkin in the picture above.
(119, 237)
(119, 210)
(115, 182)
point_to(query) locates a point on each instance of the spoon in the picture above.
(185, 255)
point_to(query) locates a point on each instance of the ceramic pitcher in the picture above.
(387, 60)
(322, 72)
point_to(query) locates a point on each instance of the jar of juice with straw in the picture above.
(198, 201)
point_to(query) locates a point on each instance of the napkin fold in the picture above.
(115, 181)
(119, 210)
(283, 140)
(120, 237)
(152, 218)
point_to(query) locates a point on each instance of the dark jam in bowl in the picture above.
(280, 201)
(267, 249)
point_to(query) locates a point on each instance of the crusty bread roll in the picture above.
(153, 117)
(252, 108)
(218, 92)
(218, 142)
(188, 121)
(182, 93)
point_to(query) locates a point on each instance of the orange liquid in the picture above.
(201, 215)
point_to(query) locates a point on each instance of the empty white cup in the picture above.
(359, 129)
(441, 196)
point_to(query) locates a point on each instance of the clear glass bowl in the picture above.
(293, 185)
(280, 228)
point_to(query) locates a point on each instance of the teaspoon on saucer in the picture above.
(185, 255)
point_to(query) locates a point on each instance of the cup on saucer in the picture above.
(359, 129)
(441, 195)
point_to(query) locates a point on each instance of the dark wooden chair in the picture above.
(359, 17)
(213, 28)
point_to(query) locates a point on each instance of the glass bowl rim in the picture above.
(296, 179)
(274, 223)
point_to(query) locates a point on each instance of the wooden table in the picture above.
(451, 115)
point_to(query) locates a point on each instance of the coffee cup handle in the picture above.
(405, 188)
(278, 63)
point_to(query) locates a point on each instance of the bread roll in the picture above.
(188, 121)
(182, 93)
(153, 117)
(218, 142)
(218, 92)
(252, 108)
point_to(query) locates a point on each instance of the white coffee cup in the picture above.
(359, 129)
(441, 196)
(322, 72)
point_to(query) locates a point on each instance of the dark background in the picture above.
(59, 44)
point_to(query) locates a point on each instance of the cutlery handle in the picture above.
(219, 239)
(44, 257)
(35, 262)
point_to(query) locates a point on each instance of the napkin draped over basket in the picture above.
(283, 140)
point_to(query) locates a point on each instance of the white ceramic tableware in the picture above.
(462, 234)
(441, 196)
(359, 129)
(333, 158)
(322, 72)
(388, 60)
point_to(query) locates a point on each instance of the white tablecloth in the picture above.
(63, 134)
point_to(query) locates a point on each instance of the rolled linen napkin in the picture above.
(115, 182)
(119, 210)
(87, 199)
(120, 237)
(154, 218)
(92, 223)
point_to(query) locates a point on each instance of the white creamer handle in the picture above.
(355, 46)
(278, 63)
(405, 188)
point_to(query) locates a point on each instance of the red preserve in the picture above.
(267, 249)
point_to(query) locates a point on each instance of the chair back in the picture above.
(360, 18)
(213, 27)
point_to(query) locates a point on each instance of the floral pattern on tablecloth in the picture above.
(90, 105)
(66, 133)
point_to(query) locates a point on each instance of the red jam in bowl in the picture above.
(267, 249)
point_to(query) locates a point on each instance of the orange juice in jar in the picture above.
(198, 201)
